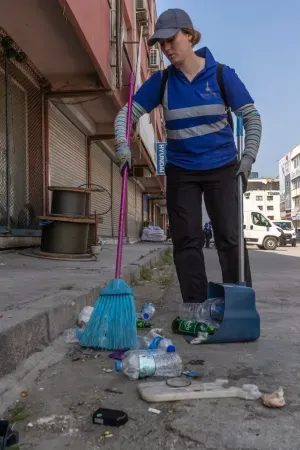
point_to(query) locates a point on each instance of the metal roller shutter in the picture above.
(67, 145)
(131, 210)
(18, 152)
(117, 187)
(139, 211)
(101, 201)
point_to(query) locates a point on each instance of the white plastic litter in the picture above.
(85, 315)
(70, 336)
(161, 392)
(154, 411)
(153, 234)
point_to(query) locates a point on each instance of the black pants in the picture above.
(184, 202)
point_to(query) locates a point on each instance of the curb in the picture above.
(40, 324)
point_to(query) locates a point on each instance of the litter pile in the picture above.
(153, 234)
(155, 355)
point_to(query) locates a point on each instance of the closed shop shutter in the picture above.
(18, 152)
(101, 201)
(116, 194)
(131, 210)
(67, 145)
(139, 211)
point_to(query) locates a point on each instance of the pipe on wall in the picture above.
(119, 43)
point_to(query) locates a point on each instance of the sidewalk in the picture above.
(40, 298)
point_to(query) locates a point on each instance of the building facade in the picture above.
(263, 195)
(289, 176)
(64, 75)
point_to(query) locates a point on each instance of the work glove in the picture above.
(244, 169)
(123, 156)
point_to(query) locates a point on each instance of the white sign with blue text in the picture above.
(161, 157)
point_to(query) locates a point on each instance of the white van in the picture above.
(258, 230)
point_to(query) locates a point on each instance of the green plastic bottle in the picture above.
(191, 328)
(142, 324)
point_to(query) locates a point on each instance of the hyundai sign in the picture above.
(161, 157)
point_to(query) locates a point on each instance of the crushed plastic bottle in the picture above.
(210, 312)
(147, 311)
(73, 335)
(153, 341)
(148, 363)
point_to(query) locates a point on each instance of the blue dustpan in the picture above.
(241, 322)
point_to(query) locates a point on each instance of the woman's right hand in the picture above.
(123, 156)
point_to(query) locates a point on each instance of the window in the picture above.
(296, 161)
(271, 217)
(259, 220)
(285, 224)
(296, 183)
(247, 195)
(297, 202)
(270, 198)
(259, 198)
(260, 208)
(270, 208)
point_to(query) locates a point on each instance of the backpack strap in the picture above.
(164, 79)
(220, 81)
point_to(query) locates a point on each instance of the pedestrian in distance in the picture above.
(207, 230)
(197, 94)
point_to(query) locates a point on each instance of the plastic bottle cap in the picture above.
(118, 366)
(171, 349)
(146, 316)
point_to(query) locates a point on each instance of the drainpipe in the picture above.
(119, 43)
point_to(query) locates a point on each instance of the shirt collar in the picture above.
(209, 59)
(204, 52)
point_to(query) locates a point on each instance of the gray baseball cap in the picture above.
(169, 23)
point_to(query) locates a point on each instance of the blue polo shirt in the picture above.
(198, 134)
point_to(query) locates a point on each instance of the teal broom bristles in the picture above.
(113, 319)
(112, 325)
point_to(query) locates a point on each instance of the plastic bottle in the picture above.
(147, 363)
(72, 335)
(147, 311)
(191, 328)
(142, 324)
(154, 342)
(210, 311)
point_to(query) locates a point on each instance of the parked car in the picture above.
(289, 231)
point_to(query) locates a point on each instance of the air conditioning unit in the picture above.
(140, 5)
(154, 59)
(142, 17)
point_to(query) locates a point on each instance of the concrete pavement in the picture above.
(40, 298)
(73, 388)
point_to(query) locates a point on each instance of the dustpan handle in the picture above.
(124, 183)
(240, 146)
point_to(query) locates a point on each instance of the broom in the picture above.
(112, 325)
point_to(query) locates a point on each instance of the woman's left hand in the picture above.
(245, 168)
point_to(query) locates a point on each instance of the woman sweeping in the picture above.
(196, 93)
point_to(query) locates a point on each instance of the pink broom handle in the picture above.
(124, 182)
